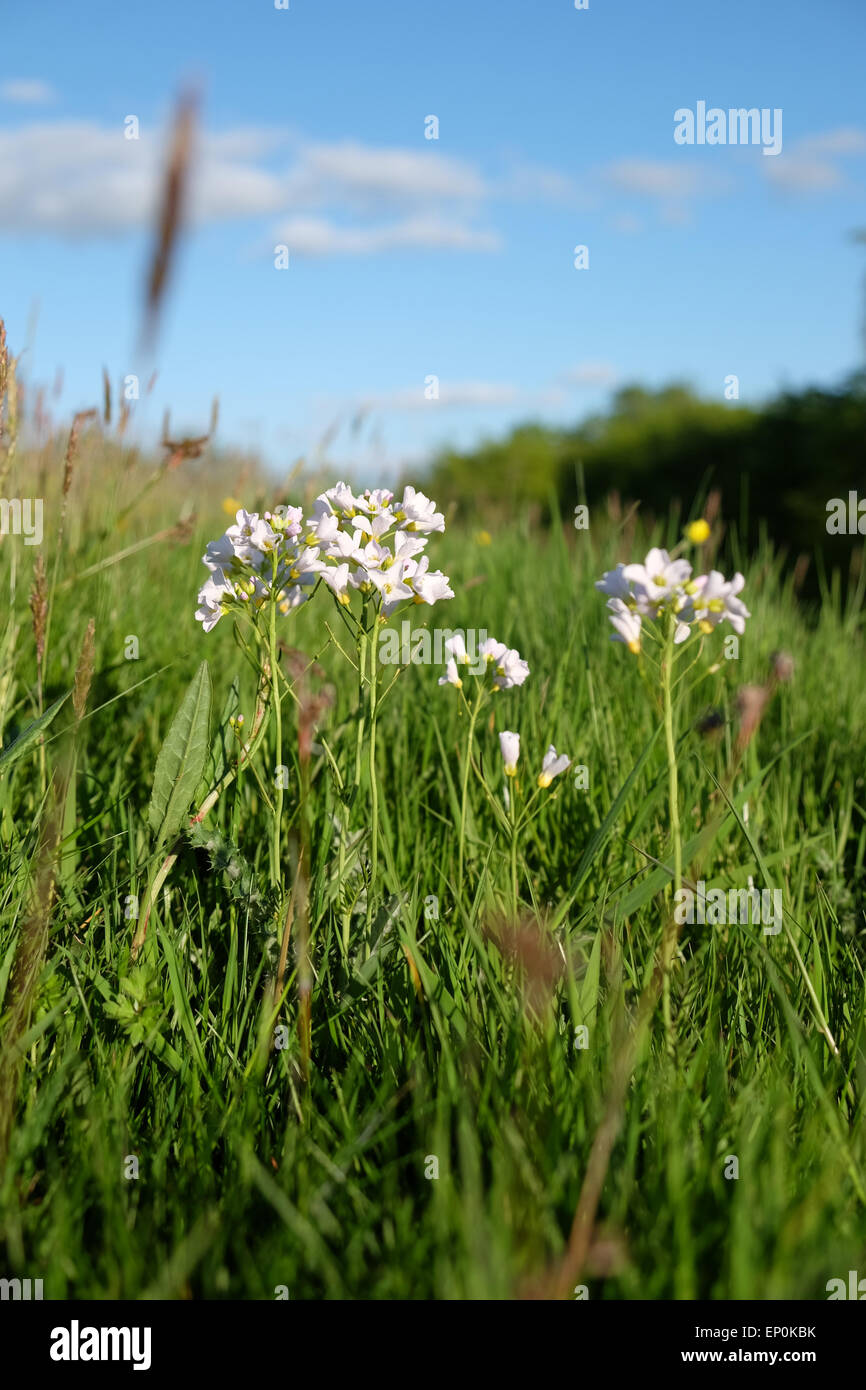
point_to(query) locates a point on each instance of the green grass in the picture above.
(250, 1178)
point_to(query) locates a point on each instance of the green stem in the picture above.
(276, 701)
(362, 666)
(374, 784)
(669, 935)
(512, 808)
(473, 715)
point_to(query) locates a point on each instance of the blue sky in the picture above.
(410, 257)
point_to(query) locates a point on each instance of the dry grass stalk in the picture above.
(531, 950)
(189, 447)
(9, 411)
(84, 672)
(4, 363)
(171, 213)
(39, 612)
(72, 449)
(106, 396)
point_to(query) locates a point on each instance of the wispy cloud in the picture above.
(459, 394)
(365, 175)
(316, 236)
(664, 180)
(590, 374)
(528, 182)
(27, 91)
(481, 394)
(811, 165)
(845, 140)
(673, 188)
(627, 223)
(80, 179)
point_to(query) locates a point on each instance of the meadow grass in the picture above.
(452, 1036)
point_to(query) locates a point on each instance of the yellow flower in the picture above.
(231, 506)
(698, 531)
(483, 537)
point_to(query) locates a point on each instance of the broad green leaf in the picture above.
(181, 759)
(29, 737)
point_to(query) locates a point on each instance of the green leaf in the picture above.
(181, 759)
(181, 1001)
(600, 837)
(700, 843)
(29, 737)
(434, 988)
(587, 991)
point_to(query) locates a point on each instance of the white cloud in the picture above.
(671, 186)
(454, 393)
(27, 91)
(82, 180)
(590, 374)
(316, 236)
(487, 394)
(801, 175)
(73, 177)
(365, 174)
(528, 182)
(79, 179)
(845, 140)
(223, 189)
(244, 142)
(663, 179)
(810, 165)
(626, 223)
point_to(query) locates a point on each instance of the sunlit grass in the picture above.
(450, 1036)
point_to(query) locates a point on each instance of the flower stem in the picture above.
(473, 715)
(374, 785)
(669, 934)
(276, 699)
(512, 806)
(362, 664)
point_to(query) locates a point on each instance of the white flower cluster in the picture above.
(504, 664)
(552, 764)
(371, 543)
(258, 557)
(664, 586)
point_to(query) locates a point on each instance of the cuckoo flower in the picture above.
(715, 602)
(509, 747)
(382, 541)
(662, 594)
(257, 559)
(662, 590)
(552, 765)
